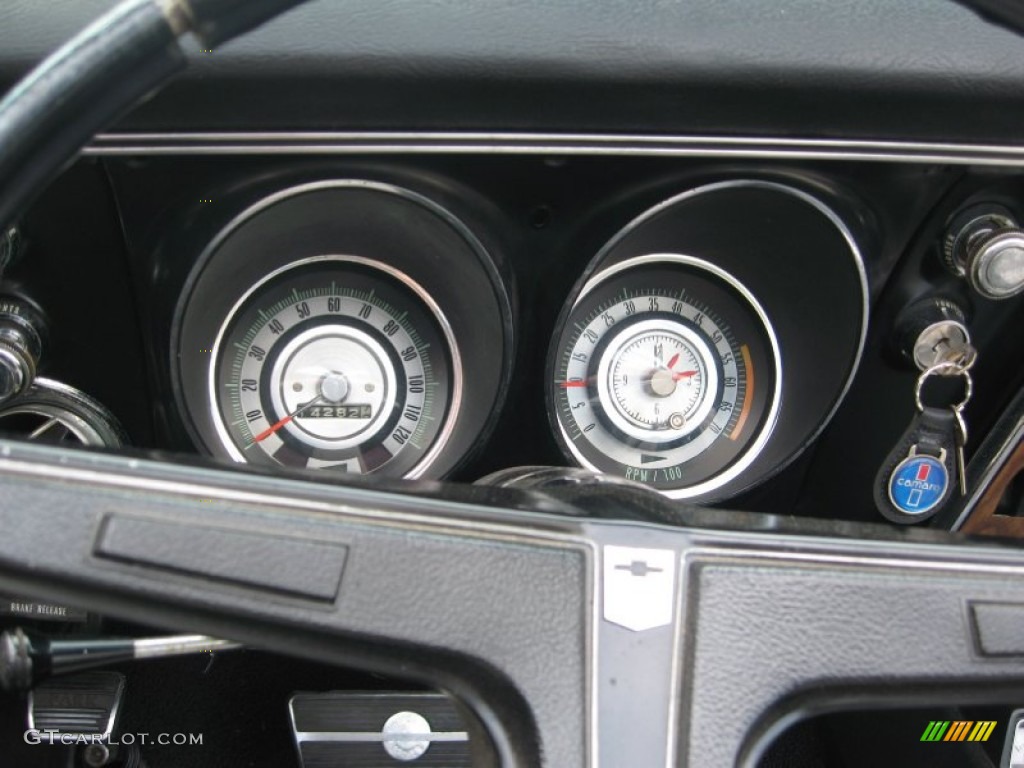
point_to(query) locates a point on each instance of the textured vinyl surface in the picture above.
(865, 68)
(515, 605)
(762, 633)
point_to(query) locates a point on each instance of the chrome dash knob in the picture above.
(985, 246)
(21, 345)
(995, 264)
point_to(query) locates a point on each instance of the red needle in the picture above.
(567, 384)
(677, 375)
(274, 427)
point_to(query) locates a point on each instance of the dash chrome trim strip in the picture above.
(396, 142)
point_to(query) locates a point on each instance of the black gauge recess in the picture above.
(336, 363)
(709, 342)
(666, 372)
(325, 329)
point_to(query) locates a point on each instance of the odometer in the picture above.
(337, 363)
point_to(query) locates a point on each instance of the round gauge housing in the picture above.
(324, 328)
(710, 341)
(667, 372)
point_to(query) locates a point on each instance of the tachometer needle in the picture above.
(568, 384)
(274, 427)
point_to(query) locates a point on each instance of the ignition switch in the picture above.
(985, 245)
(931, 330)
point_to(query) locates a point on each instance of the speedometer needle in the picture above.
(274, 427)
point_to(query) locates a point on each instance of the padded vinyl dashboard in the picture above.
(918, 69)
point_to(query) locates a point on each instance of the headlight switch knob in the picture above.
(21, 345)
(984, 245)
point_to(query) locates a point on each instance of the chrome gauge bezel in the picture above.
(456, 372)
(768, 421)
(608, 375)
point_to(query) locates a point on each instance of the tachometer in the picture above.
(339, 363)
(666, 372)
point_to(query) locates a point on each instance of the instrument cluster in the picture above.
(361, 327)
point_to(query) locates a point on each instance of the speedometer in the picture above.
(666, 372)
(335, 363)
(330, 326)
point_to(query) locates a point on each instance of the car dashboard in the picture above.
(402, 336)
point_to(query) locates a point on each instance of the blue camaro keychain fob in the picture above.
(919, 475)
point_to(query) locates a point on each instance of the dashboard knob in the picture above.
(985, 246)
(16, 371)
(995, 263)
(21, 345)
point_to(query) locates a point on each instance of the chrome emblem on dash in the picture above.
(639, 587)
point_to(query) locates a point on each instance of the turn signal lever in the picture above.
(27, 659)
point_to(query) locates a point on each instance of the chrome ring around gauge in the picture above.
(654, 381)
(667, 372)
(335, 362)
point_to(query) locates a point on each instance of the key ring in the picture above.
(948, 368)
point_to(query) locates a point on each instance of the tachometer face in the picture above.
(666, 372)
(335, 363)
